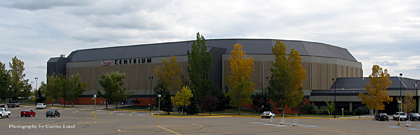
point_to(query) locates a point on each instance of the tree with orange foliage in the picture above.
(376, 93)
(241, 68)
(170, 74)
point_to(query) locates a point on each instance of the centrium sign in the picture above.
(132, 61)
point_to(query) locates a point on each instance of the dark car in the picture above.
(382, 116)
(414, 116)
(52, 113)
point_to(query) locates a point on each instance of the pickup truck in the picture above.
(403, 116)
(4, 113)
(41, 106)
(13, 104)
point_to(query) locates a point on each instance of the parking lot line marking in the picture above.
(75, 111)
(197, 125)
(92, 112)
(169, 130)
(130, 114)
(119, 130)
(111, 113)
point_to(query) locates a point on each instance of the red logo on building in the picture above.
(106, 63)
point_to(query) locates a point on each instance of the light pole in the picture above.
(158, 109)
(335, 91)
(150, 94)
(401, 103)
(417, 97)
(36, 88)
(269, 106)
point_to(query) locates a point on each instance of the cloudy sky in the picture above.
(384, 32)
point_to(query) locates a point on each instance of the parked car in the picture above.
(27, 113)
(414, 116)
(4, 113)
(41, 106)
(52, 113)
(402, 115)
(382, 116)
(13, 104)
(3, 106)
(267, 114)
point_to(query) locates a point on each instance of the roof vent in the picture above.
(62, 56)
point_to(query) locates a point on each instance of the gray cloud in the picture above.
(386, 63)
(40, 4)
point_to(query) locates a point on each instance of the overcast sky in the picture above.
(385, 32)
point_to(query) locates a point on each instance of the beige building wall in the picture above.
(307, 82)
(345, 71)
(255, 75)
(101, 71)
(86, 76)
(94, 76)
(133, 77)
(324, 77)
(267, 72)
(333, 74)
(315, 76)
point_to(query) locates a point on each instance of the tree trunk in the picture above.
(182, 108)
(64, 100)
(239, 110)
(72, 103)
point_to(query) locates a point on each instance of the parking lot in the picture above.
(81, 120)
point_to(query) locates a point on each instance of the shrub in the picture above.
(361, 110)
(317, 110)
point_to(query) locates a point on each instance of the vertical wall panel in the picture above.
(306, 82)
(86, 76)
(345, 74)
(324, 76)
(124, 69)
(133, 77)
(267, 72)
(255, 75)
(101, 71)
(315, 76)
(94, 77)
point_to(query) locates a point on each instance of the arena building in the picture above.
(322, 63)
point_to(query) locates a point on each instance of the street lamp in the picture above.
(335, 93)
(401, 103)
(36, 88)
(158, 109)
(150, 94)
(269, 106)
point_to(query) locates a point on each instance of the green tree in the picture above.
(76, 88)
(330, 108)
(5, 82)
(182, 99)
(166, 103)
(285, 85)
(376, 93)
(170, 74)
(241, 68)
(17, 77)
(409, 104)
(52, 88)
(199, 65)
(64, 87)
(113, 87)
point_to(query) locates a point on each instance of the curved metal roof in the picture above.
(251, 46)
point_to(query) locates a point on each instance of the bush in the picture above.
(317, 110)
(361, 110)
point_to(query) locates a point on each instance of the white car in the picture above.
(41, 106)
(4, 113)
(267, 114)
(403, 116)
